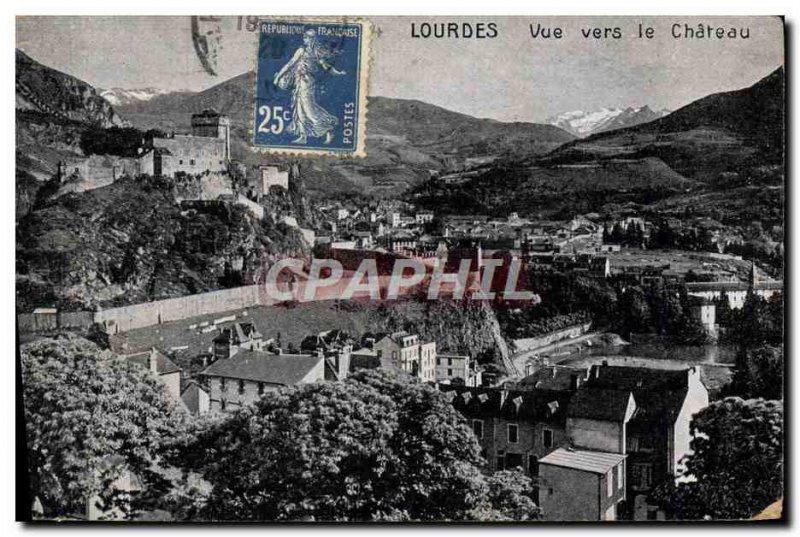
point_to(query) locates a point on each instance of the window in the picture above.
(222, 404)
(620, 476)
(547, 438)
(513, 433)
(449, 372)
(501, 463)
(514, 460)
(533, 466)
(191, 162)
(241, 387)
(222, 386)
(645, 443)
(610, 483)
(642, 475)
(180, 161)
(477, 428)
(449, 361)
(260, 388)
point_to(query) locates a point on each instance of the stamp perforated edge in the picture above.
(364, 67)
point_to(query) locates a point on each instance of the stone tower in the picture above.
(212, 124)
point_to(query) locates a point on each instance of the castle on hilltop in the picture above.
(207, 149)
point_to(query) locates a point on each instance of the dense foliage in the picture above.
(758, 322)
(90, 418)
(119, 141)
(758, 373)
(736, 466)
(373, 447)
(523, 322)
(616, 304)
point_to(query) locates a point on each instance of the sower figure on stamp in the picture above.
(301, 74)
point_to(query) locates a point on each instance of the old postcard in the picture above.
(400, 269)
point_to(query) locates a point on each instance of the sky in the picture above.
(512, 77)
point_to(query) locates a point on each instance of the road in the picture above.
(519, 359)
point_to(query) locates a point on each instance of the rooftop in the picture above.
(600, 404)
(596, 462)
(163, 365)
(283, 369)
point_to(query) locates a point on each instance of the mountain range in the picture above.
(582, 123)
(406, 140)
(730, 143)
(121, 96)
(724, 137)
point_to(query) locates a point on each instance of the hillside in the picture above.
(52, 110)
(132, 242)
(406, 140)
(129, 241)
(723, 132)
(718, 143)
(43, 89)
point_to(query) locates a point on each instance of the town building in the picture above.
(270, 177)
(336, 346)
(195, 398)
(639, 414)
(423, 217)
(581, 485)
(409, 354)
(450, 367)
(243, 378)
(162, 367)
(736, 291)
(239, 336)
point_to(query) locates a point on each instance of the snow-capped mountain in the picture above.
(583, 124)
(120, 96)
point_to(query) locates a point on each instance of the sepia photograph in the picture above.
(283, 269)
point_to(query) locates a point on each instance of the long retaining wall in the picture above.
(525, 344)
(135, 316)
(124, 318)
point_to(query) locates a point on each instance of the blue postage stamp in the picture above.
(311, 84)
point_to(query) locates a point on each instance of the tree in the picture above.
(635, 310)
(373, 447)
(759, 373)
(90, 417)
(736, 466)
(759, 322)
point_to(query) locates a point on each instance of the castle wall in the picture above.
(193, 154)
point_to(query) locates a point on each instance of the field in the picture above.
(680, 261)
(292, 323)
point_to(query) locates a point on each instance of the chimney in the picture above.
(152, 362)
(503, 395)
